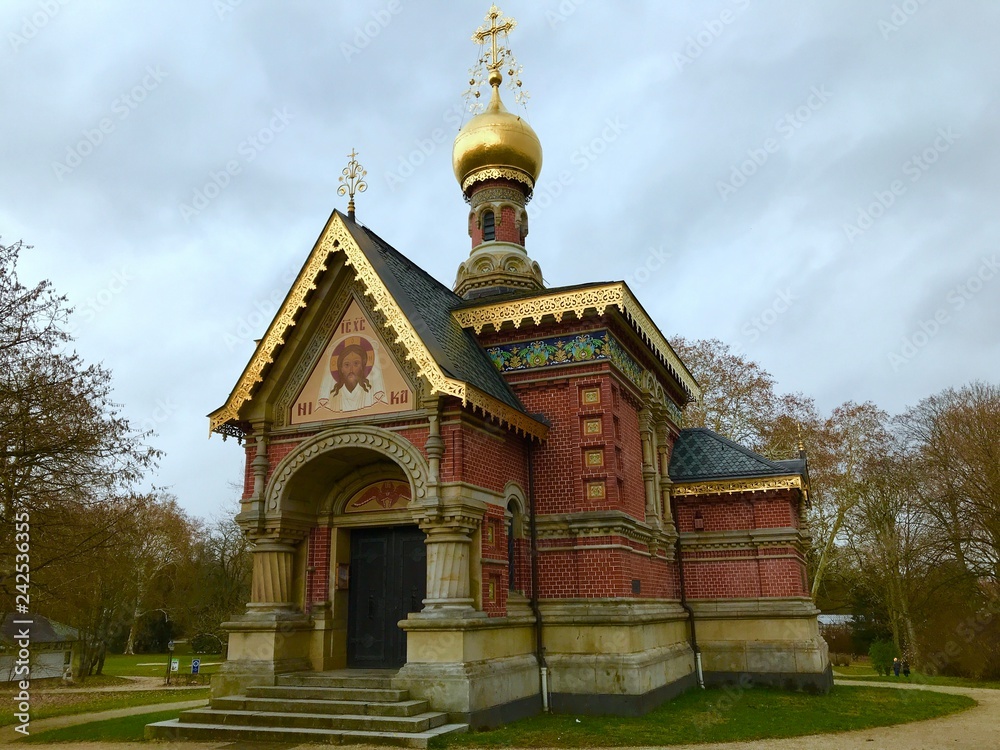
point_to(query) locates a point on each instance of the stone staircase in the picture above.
(343, 708)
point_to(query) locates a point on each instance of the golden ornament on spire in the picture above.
(497, 54)
(496, 143)
(352, 181)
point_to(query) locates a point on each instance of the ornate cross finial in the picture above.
(491, 32)
(492, 59)
(352, 181)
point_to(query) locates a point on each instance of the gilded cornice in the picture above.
(577, 301)
(732, 486)
(495, 173)
(337, 238)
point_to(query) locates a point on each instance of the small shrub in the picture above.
(882, 653)
(840, 660)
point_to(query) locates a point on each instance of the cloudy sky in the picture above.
(816, 183)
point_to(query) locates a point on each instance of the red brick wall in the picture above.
(488, 457)
(751, 571)
(250, 450)
(318, 559)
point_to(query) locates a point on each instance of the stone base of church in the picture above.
(615, 657)
(482, 671)
(607, 704)
(483, 694)
(261, 646)
(762, 642)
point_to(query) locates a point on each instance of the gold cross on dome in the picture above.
(505, 26)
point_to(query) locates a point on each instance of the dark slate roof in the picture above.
(700, 454)
(43, 630)
(427, 304)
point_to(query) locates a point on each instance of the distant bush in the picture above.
(206, 643)
(882, 653)
(840, 660)
(838, 637)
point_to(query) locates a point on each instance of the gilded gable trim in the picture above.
(337, 238)
(733, 486)
(578, 301)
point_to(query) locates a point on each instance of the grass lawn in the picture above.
(865, 672)
(125, 729)
(723, 715)
(45, 705)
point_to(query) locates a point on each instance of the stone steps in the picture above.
(337, 708)
(291, 718)
(176, 730)
(317, 704)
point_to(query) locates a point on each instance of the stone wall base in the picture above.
(483, 694)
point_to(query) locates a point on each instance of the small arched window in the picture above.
(489, 226)
(515, 543)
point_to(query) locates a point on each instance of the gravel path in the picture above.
(975, 729)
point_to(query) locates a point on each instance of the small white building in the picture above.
(50, 647)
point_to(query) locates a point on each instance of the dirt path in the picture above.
(975, 729)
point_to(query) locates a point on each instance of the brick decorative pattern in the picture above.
(496, 570)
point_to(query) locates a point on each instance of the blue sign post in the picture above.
(195, 666)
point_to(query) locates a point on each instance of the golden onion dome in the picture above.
(496, 143)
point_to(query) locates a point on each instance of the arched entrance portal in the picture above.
(361, 566)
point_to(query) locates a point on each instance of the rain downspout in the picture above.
(687, 608)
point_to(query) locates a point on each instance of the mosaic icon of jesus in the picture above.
(354, 379)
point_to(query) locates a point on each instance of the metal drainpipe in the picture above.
(543, 670)
(680, 571)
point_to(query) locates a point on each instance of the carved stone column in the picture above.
(662, 447)
(648, 466)
(271, 588)
(449, 540)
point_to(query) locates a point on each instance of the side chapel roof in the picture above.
(43, 630)
(701, 455)
(417, 309)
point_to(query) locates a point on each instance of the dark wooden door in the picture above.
(388, 581)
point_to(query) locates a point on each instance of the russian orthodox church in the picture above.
(484, 497)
